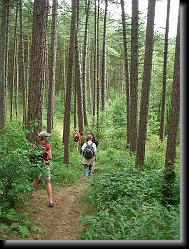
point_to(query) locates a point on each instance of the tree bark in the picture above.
(14, 65)
(163, 101)
(3, 61)
(98, 70)
(175, 106)
(104, 57)
(36, 79)
(84, 62)
(78, 78)
(142, 129)
(134, 76)
(16, 80)
(69, 83)
(51, 90)
(126, 67)
(95, 63)
(22, 76)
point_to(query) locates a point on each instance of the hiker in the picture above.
(81, 141)
(45, 172)
(89, 155)
(76, 138)
(95, 140)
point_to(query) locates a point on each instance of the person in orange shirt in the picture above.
(76, 138)
(81, 140)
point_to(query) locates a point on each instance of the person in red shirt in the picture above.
(45, 173)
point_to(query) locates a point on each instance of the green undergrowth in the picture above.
(17, 172)
(128, 202)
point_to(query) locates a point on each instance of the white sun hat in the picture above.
(44, 134)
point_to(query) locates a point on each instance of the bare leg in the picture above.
(35, 183)
(93, 164)
(49, 190)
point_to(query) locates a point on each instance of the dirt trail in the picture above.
(62, 221)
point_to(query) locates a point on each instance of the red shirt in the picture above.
(45, 155)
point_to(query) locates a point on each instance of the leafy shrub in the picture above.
(129, 202)
(129, 220)
(15, 167)
(16, 173)
(15, 223)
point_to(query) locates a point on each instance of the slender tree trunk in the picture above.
(126, 67)
(84, 62)
(64, 70)
(7, 45)
(89, 79)
(134, 76)
(51, 90)
(27, 70)
(3, 61)
(98, 69)
(46, 58)
(14, 65)
(163, 101)
(175, 106)
(16, 79)
(36, 82)
(69, 83)
(169, 174)
(95, 63)
(104, 57)
(142, 129)
(78, 81)
(75, 102)
(22, 76)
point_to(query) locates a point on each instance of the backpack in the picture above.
(76, 137)
(88, 152)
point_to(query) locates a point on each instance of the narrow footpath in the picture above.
(62, 221)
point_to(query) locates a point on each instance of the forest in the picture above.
(100, 67)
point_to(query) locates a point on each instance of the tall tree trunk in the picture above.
(134, 76)
(75, 102)
(163, 101)
(36, 79)
(95, 63)
(3, 61)
(126, 67)
(104, 57)
(142, 129)
(22, 76)
(175, 106)
(78, 78)
(51, 90)
(69, 83)
(98, 70)
(7, 45)
(84, 62)
(27, 67)
(169, 174)
(14, 65)
(89, 80)
(16, 79)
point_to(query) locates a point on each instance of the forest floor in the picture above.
(60, 222)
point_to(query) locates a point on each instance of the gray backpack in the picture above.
(88, 152)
